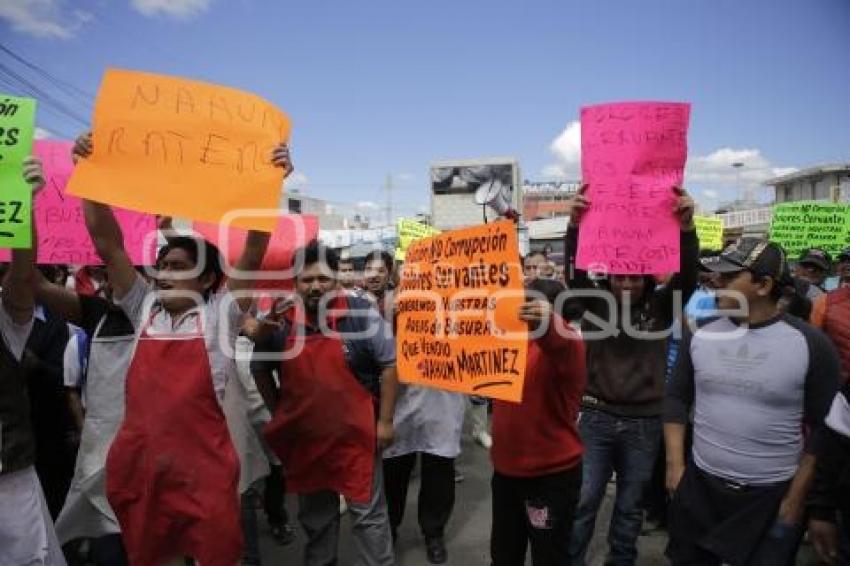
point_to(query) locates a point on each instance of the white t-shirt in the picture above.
(220, 319)
(14, 335)
(71, 366)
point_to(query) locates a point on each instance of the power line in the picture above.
(43, 97)
(70, 89)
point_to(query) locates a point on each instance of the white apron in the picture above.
(27, 537)
(86, 513)
(237, 406)
(427, 420)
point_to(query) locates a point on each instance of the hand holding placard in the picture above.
(33, 172)
(62, 234)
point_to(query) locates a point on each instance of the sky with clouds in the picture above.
(385, 87)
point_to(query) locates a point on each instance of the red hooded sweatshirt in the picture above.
(540, 436)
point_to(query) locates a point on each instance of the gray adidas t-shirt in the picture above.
(751, 390)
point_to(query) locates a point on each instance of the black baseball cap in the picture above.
(760, 256)
(816, 257)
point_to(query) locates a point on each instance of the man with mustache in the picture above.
(333, 408)
(377, 276)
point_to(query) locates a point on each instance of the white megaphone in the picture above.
(492, 193)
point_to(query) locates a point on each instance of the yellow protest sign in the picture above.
(458, 305)
(408, 232)
(184, 148)
(709, 232)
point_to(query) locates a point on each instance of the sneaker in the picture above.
(484, 439)
(435, 550)
(283, 534)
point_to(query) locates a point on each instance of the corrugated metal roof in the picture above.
(809, 172)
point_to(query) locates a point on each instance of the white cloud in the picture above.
(43, 18)
(43, 134)
(718, 179)
(567, 151)
(181, 9)
(368, 205)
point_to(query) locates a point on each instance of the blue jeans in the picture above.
(627, 446)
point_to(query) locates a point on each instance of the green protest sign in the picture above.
(17, 123)
(811, 224)
(408, 232)
(709, 232)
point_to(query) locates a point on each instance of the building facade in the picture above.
(546, 199)
(823, 182)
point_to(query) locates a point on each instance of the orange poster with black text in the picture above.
(458, 313)
(173, 146)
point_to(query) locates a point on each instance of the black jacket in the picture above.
(625, 373)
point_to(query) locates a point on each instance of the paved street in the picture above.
(468, 535)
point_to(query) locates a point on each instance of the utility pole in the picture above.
(388, 187)
(743, 195)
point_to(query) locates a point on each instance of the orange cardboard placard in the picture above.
(178, 147)
(458, 313)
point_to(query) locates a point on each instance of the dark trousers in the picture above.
(539, 510)
(627, 446)
(713, 522)
(273, 497)
(108, 551)
(436, 491)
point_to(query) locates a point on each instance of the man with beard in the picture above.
(377, 276)
(333, 409)
(348, 278)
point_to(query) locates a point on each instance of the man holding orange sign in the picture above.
(172, 470)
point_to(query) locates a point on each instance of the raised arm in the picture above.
(257, 242)
(106, 233)
(576, 207)
(57, 299)
(684, 282)
(18, 297)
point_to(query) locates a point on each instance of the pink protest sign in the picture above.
(62, 234)
(293, 231)
(632, 154)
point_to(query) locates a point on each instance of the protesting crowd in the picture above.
(149, 412)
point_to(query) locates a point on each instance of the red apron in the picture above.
(172, 473)
(323, 429)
